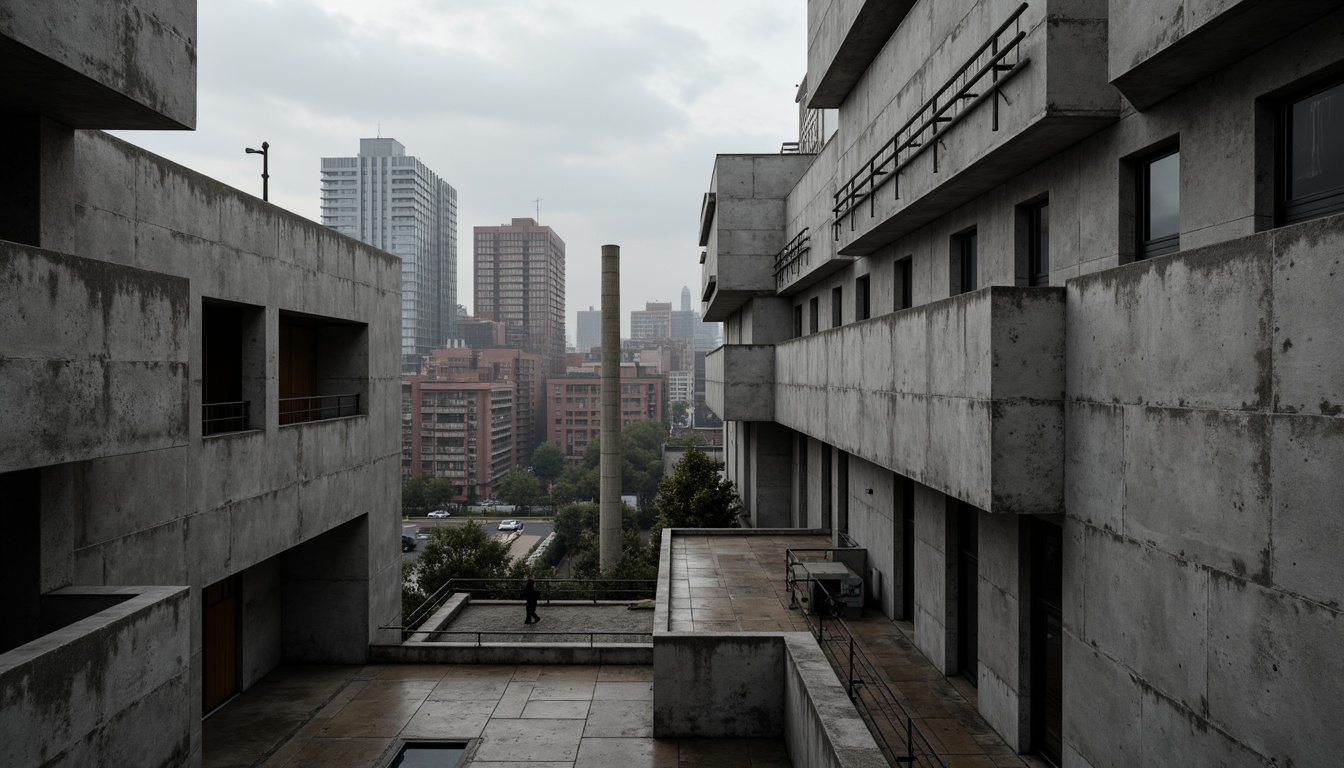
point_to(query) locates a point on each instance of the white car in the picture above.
(440, 513)
(510, 525)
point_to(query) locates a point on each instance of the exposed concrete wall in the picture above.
(111, 689)
(262, 646)
(325, 596)
(104, 64)
(872, 527)
(843, 38)
(1004, 646)
(740, 382)
(718, 686)
(771, 481)
(821, 726)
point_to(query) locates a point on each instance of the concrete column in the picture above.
(609, 526)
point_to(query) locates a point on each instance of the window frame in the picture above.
(1035, 274)
(902, 291)
(797, 320)
(1145, 248)
(1315, 206)
(814, 324)
(837, 306)
(863, 305)
(968, 260)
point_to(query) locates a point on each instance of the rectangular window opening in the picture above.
(837, 308)
(1159, 204)
(1311, 138)
(862, 299)
(965, 262)
(815, 321)
(324, 368)
(903, 295)
(1038, 244)
(233, 367)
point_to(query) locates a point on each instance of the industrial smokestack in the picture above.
(609, 527)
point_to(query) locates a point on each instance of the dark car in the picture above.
(407, 543)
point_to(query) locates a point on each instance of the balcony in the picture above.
(1158, 47)
(742, 225)
(964, 395)
(297, 410)
(740, 382)
(999, 94)
(843, 38)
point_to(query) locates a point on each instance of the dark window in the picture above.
(967, 261)
(1159, 204)
(907, 495)
(904, 297)
(1312, 177)
(1038, 244)
(1047, 640)
(968, 593)
(836, 307)
(797, 320)
(815, 321)
(862, 305)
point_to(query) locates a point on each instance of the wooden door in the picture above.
(219, 652)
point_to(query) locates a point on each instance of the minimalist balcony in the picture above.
(742, 225)
(740, 382)
(1001, 92)
(964, 395)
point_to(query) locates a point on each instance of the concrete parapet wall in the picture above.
(740, 382)
(718, 685)
(512, 653)
(104, 372)
(975, 384)
(111, 689)
(821, 726)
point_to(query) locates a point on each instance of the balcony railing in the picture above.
(993, 63)
(788, 256)
(296, 410)
(218, 418)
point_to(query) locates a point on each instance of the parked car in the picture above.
(440, 513)
(510, 525)
(490, 503)
(407, 543)
(422, 536)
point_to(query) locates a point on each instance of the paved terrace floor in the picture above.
(523, 716)
(736, 583)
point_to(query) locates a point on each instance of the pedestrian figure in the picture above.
(530, 594)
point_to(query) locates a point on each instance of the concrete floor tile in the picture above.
(407, 690)
(616, 718)
(530, 740)
(556, 710)
(449, 720)
(513, 701)
(434, 672)
(627, 753)
(562, 691)
(325, 752)
(624, 691)
(586, 674)
(469, 689)
(625, 673)
(369, 719)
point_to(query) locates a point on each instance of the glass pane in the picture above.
(1164, 196)
(1318, 143)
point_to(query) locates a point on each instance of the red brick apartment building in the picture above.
(461, 430)
(522, 369)
(574, 405)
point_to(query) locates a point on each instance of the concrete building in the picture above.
(396, 203)
(461, 430)
(520, 281)
(589, 330)
(521, 369)
(198, 459)
(574, 405)
(1046, 327)
(652, 322)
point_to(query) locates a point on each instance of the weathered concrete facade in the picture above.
(1104, 486)
(199, 453)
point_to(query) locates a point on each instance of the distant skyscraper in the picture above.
(652, 322)
(520, 281)
(590, 329)
(685, 298)
(393, 202)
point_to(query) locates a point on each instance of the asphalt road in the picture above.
(531, 527)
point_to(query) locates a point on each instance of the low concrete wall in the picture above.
(512, 653)
(821, 726)
(718, 685)
(111, 689)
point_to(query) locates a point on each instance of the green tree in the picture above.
(421, 494)
(583, 479)
(452, 552)
(547, 462)
(641, 460)
(563, 492)
(695, 496)
(679, 412)
(576, 533)
(519, 487)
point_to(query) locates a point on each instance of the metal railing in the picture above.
(788, 256)
(218, 418)
(980, 77)
(297, 410)
(901, 741)
(485, 636)
(552, 590)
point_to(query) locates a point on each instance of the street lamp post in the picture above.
(265, 168)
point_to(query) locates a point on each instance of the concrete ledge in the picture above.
(512, 653)
(124, 669)
(442, 617)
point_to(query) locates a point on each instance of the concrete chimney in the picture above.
(609, 517)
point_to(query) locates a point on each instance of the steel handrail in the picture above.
(591, 634)
(598, 590)
(291, 412)
(800, 244)
(872, 174)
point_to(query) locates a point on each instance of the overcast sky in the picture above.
(611, 111)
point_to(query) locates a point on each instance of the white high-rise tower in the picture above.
(394, 202)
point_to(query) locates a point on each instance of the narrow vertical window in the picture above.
(1159, 204)
(797, 320)
(837, 309)
(1038, 244)
(903, 296)
(862, 305)
(1312, 176)
(814, 323)
(965, 252)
